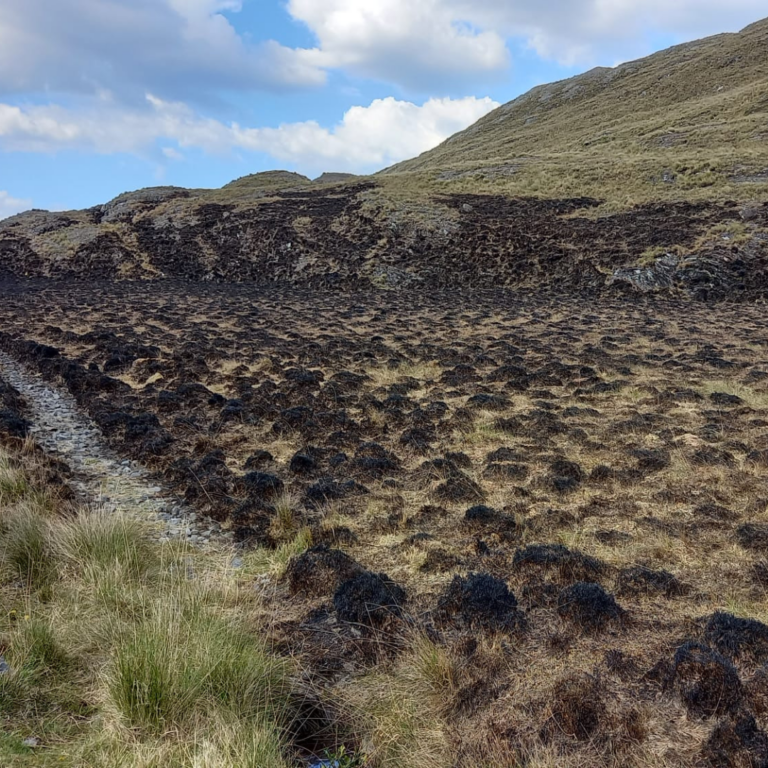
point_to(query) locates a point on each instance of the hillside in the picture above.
(688, 118)
(651, 176)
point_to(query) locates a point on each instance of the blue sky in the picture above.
(101, 96)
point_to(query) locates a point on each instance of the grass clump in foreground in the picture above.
(182, 661)
(119, 652)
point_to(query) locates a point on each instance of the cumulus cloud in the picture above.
(370, 137)
(176, 48)
(410, 43)
(366, 139)
(436, 41)
(12, 205)
(190, 50)
(584, 31)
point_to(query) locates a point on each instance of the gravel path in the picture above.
(102, 477)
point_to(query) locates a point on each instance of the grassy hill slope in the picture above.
(690, 118)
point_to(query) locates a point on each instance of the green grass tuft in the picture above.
(182, 660)
(25, 549)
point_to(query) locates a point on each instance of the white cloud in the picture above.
(402, 41)
(437, 41)
(370, 137)
(189, 50)
(176, 48)
(12, 205)
(585, 31)
(366, 139)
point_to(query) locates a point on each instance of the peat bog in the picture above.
(565, 498)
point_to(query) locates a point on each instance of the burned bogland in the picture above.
(566, 499)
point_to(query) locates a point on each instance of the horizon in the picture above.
(103, 98)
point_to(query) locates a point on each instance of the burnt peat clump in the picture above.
(480, 601)
(737, 638)
(736, 741)
(639, 580)
(320, 571)
(369, 599)
(589, 606)
(707, 683)
(12, 422)
(557, 561)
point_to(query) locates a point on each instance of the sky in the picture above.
(98, 97)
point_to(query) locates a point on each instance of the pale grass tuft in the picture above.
(431, 671)
(25, 547)
(400, 714)
(183, 659)
(13, 483)
(285, 523)
(97, 540)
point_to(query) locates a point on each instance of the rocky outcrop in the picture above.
(712, 274)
